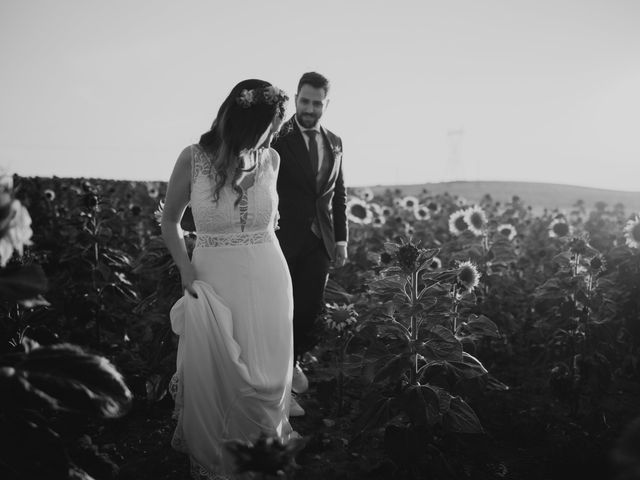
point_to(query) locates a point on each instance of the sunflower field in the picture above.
(460, 341)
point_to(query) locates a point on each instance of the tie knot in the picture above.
(311, 134)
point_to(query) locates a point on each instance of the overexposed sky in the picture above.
(423, 91)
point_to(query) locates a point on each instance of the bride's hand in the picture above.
(187, 277)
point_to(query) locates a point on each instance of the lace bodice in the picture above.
(249, 221)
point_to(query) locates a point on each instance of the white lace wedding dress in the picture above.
(235, 352)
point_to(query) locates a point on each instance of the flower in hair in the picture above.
(246, 98)
(270, 95)
(274, 95)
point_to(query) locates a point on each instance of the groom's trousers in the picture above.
(309, 268)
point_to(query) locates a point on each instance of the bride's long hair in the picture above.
(236, 128)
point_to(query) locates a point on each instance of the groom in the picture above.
(313, 220)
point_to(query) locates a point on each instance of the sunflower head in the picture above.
(421, 212)
(90, 200)
(433, 207)
(340, 317)
(152, 190)
(577, 246)
(632, 232)
(377, 221)
(507, 230)
(559, 228)
(50, 195)
(135, 210)
(386, 258)
(375, 208)
(597, 264)
(468, 276)
(358, 211)
(159, 211)
(476, 219)
(407, 256)
(409, 202)
(435, 264)
(457, 222)
(366, 194)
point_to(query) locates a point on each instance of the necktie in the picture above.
(313, 155)
(313, 151)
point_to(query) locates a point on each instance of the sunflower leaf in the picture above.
(64, 377)
(461, 418)
(22, 282)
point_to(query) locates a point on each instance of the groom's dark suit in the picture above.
(312, 208)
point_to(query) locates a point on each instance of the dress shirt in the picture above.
(319, 141)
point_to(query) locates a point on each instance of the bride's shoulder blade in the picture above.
(275, 158)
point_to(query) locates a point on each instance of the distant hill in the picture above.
(538, 195)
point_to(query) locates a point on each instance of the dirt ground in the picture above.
(529, 435)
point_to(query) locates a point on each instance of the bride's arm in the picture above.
(176, 202)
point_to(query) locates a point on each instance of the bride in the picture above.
(235, 351)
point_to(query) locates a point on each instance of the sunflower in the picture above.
(468, 276)
(152, 190)
(461, 201)
(435, 264)
(408, 256)
(597, 264)
(159, 211)
(457, 222)
(632, 232)
(507, 230)
(340, 317)
(559, 228)
(433, 207)
(358, 211)
(476, 219)
(378, 221)
(409, 202)
(50, 195)
(366, 194)
(578, 246)
(376, 209)
(421, 212)
(387, 211)
(135, 210)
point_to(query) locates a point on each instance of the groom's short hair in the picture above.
(315, 80)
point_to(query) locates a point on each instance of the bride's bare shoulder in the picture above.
(184, 164)
(185, 158)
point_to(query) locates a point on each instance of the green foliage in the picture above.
(38, 383)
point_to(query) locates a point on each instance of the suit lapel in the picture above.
(331, 158)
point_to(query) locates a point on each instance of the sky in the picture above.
(422, 91)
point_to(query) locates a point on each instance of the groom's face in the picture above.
(310, 105)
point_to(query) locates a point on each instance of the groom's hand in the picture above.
(341, 255)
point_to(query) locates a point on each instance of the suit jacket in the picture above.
(300, 199)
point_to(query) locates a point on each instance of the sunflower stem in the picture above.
(454, 309)
(413, 283)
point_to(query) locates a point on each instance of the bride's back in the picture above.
(257, 209)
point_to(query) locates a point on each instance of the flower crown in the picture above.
(270, 95)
